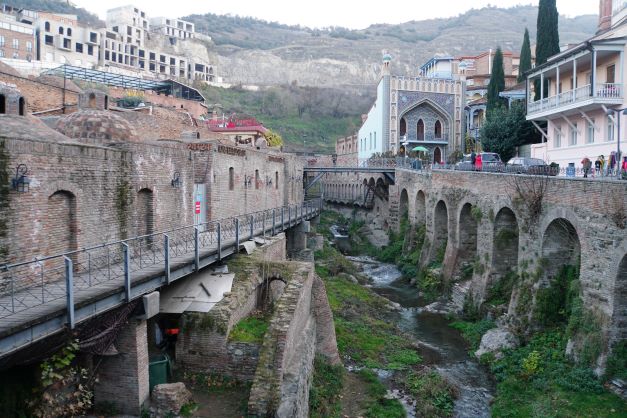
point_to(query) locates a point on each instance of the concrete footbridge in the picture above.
(45, 296)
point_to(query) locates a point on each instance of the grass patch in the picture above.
(379, 406)
(213, 383)
(538, 380)
(250, 329)
(438, 397)
(473, 331)
(324, 395)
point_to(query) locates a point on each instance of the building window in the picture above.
(49, 40)
(93, 37)
(60, 30)
(1, 41)
(557, 138)
(79, 47)
(573, 135)
(370, 142)
(403, 128)
(107, 55)
(420, 130)
(438, 129)
(231, 178)
(610, 76)
(276, 179)
(69, 31)
(375, 140)
(1, 53)
(47, 26)
(29, 46)
(590, 133)
(257, 179)
(90, 50)
(16, 44)
(610, 129)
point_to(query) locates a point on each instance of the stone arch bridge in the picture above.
(504, 223)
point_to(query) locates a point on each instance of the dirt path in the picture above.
(229, 403)
(354, 396)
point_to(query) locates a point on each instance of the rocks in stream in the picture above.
(495, 341)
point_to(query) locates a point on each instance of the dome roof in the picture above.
(97, 124)
(387, 58)
(29, 128)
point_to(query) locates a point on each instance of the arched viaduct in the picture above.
(528, 225)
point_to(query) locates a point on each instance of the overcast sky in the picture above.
(355, 14)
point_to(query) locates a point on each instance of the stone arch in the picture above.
(21, 106)
(505, 242)
(61, 223)
(3, 104)
(145, 222)
(403, 127)
(92, 101)
(421, 209)
(437, 155)
(560, 247)
(467, 238)
(440, 232)
(403, 207)
(269, 291)
(420, 130)
(619, 316)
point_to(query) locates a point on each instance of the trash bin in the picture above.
(158, 370)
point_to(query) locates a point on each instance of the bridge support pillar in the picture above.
(123, 378)
(297, 237)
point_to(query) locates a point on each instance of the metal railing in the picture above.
(85, 273)
(609, 91)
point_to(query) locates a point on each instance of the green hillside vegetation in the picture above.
(306, 117)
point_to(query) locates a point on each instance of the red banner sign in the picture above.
(197, 208)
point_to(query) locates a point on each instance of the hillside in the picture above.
(253, 51)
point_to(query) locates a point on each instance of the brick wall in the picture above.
(123, 378)
(42, 95)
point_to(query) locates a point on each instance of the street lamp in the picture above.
(617, 113)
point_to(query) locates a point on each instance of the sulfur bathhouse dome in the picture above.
(94, 121)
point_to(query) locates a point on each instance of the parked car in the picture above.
(526, 165)
(490, 161)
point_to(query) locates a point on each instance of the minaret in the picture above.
(605, 15)
(387, 59)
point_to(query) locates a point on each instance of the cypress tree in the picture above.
(547, 38)
(525, 57)
(497, 82)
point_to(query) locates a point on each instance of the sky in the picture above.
(353, 14)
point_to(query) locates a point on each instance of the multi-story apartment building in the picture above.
(17, 39)
(581, 94)
(126, 44)
(61, 39)
(173, 27)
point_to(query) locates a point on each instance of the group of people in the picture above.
(603, 166)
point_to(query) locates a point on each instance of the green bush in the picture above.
(437, 397)
(617, 361)
(473, 331)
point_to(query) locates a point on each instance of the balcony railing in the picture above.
(603, 91)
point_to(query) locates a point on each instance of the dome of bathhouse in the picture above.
(94, 121)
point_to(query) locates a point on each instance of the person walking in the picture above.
(586, 163)
(597, 166)
(478, 162)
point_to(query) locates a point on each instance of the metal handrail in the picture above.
(33, 283)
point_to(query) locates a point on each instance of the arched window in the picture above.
(69, 32)
(420, 130)
(21, 105)
(438, 129)
(60, 30)
(231, 178)
(403, 129)
(47, 26)
(256, 179)
(3, 105)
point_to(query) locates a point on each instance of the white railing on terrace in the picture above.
(603, 91)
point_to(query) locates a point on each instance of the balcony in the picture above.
(602, 94)
(426, 138)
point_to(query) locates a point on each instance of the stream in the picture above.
(443, 347)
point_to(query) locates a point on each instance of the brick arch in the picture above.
(420, 208)
(561, 246)
(505, 243)
(61, 222)
(619, 314)
(440, 231)
(467, 231)
(403, 206)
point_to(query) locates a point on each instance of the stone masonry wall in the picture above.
(42, 95)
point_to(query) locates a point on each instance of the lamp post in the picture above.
(617, 114)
